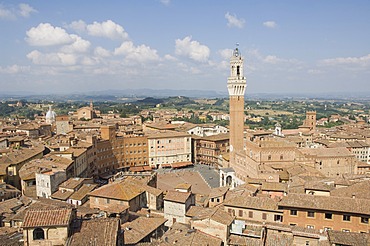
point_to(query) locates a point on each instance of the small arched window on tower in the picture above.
(238, 71)
(38, 234)
(281, 157)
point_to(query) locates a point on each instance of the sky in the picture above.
(67, 46)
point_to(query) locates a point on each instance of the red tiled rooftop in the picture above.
(47, 217)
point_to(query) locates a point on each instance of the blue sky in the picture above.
(288, 46)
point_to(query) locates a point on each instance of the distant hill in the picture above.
(130, 95)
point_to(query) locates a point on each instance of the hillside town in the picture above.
(90, 178)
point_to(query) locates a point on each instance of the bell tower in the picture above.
(236, 85)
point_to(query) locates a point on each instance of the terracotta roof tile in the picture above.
(217, 192)
(181, 234)
(97, 232)
(348, 238)
(83, 191)
(327, 152)
(217, 214)
(72, 183)
(121, 190)
(177, 196)
(261, 203)
(328, 203)
(274, 186)
(141, 227)
(47, 217)
(359, 190)
(62, 195)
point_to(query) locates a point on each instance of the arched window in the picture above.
(229, 180)
(38, 234)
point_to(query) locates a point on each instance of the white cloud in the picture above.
(233, 21)
(25, 10)
(88, 61)
(141, 53)
(78, 46)
(315, 71)
(362, 61)
(6, 14)
(226, 53)
(58, 58)
(192, 49)
(270, 24)
(255, 53)
(78, 26)
(272, 59)
(14, 69)
(170, 58)
(107, 29)
(100, 51)
(47, 35)
(275, 60)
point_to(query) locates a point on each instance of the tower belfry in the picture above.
(236, 85)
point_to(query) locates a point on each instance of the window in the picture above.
(365, 220)
(346, 218)
(269, 157)
(250, 214)
(212, 199)
(281, 157)
(307, 243)
(108, 200)
(293, 212)
(328, 216)
(38, 234)
(310, 214)
(278, 218)
(240, 213)
(264, 216)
